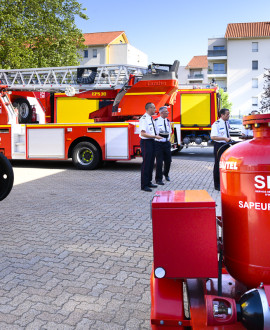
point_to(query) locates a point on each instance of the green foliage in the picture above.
(39, 33)
(225, 103)
(265, 102)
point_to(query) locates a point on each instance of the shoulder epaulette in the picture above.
(217, 122)
(156, 119)
(143, 116)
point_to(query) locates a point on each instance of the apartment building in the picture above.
(217, 62)
(237, 63)
(111, 48)
(195, 72)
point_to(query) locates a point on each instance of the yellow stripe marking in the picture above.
(195, 129)
(151, 93)
(79, 125)
(196, 90)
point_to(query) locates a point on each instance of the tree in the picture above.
(225, 103)
(39, 33)
(265, 102)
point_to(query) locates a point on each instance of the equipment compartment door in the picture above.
(46, 143)
(116, 142)
(195, 110)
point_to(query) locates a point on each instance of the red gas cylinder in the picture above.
(245, 200)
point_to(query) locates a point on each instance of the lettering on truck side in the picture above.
(99, 93)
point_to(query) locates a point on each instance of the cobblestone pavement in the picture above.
(76, 246)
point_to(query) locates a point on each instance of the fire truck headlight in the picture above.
(160, 272)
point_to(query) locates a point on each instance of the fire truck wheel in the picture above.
(86, 156)
(6, 177)
(25, 110)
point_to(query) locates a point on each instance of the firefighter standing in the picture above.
(220, 135)
(148, 136)
(163, 146)
(247, 133)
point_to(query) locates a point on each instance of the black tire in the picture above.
(6, 177)
(25, 110)
(86, 156)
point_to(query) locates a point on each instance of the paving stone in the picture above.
(84, 324)
(36, 324)
(75, 317)
(27, 317)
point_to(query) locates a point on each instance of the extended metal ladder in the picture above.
(70, 78)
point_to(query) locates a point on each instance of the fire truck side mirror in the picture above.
(175, 67)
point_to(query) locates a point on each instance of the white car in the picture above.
(236, 126)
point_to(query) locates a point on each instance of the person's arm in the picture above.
(220, 138)
(149, 136)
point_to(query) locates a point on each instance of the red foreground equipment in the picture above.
(214, 273)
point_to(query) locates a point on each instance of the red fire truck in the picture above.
(97, 100)
(90, 115)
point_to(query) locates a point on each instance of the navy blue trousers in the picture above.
(148, 155)
(163, 155)
(217, 145)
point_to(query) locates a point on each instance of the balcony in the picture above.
(217, 74)
(195, 76)
(217, 53)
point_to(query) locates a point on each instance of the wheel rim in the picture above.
(85, 156)
(24, 110)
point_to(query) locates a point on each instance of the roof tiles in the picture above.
(101, 38)
(198, 62)
(248, 30)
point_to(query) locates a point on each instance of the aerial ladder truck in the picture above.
(63, 127)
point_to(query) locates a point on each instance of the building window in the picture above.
(254, 101)
(94, 52)
(219, 67)
(219, 47)
(254, 83)
(255, 65)
(85, 53)
(255, 47)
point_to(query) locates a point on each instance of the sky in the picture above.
(170, 30)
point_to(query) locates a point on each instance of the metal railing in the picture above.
(220, 52)
(216, 72)
(195, 76)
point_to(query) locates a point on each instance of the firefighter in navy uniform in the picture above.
(163, 147)
(220, 135)
(148, 136)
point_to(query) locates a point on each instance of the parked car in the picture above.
(236, 126)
